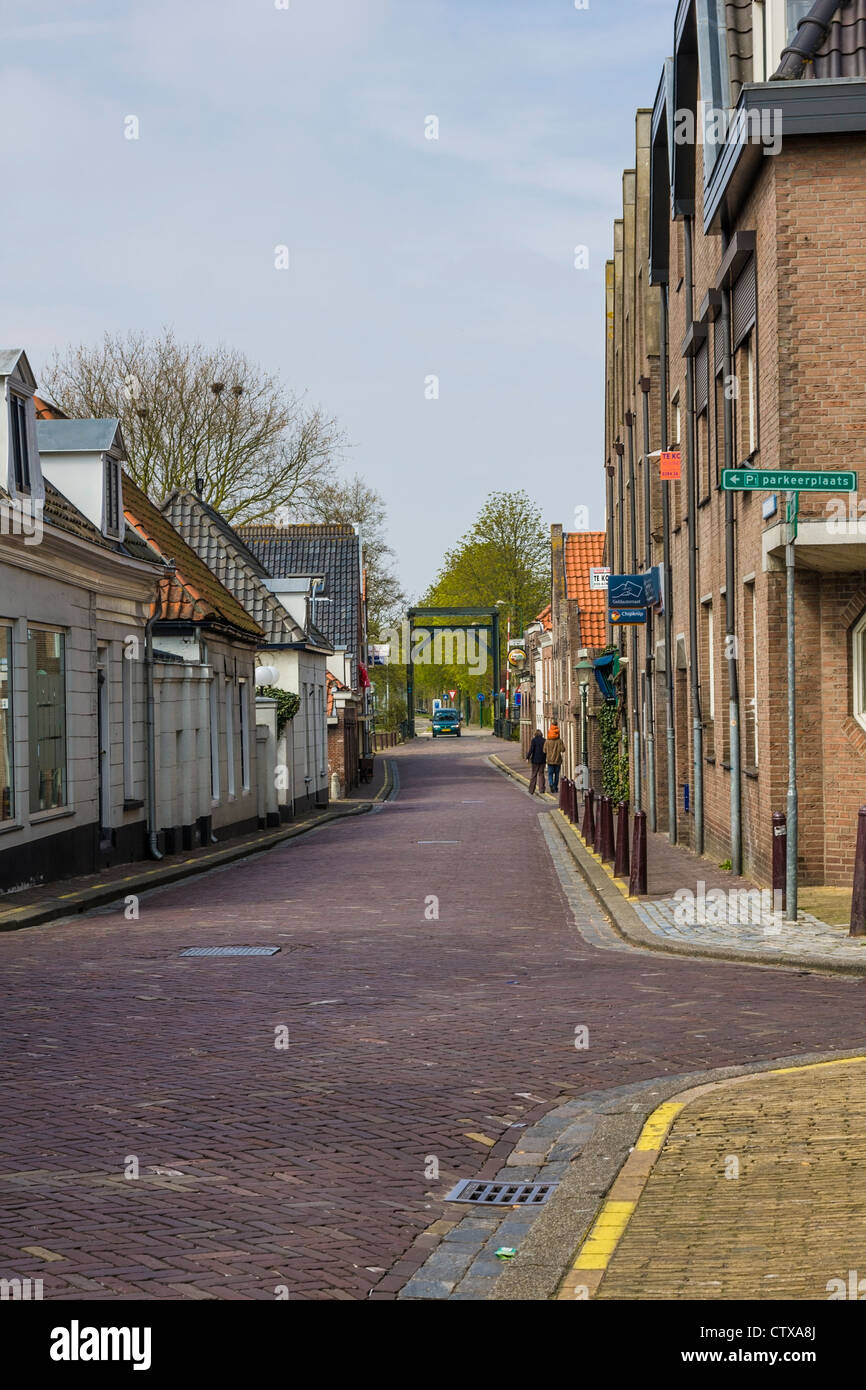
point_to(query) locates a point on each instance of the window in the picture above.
(20, 448)
(243, 702)
(774, 26)
(126, 699)
(859, 663)
(707, 678)
(230, 737)
(746, 413)
(112, 495)
(47, 718)
(214, 742)
(749, 669)
(7, 778)
(743, 339)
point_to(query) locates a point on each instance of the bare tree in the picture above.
(189, 412)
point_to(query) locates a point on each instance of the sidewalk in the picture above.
(740, 1189)
(65, 897)
(725, 924)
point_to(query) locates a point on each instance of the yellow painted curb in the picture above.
(598, 1248)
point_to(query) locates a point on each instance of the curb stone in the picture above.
(613, 898)
(87, 899)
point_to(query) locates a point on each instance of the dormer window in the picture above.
(19, 442)
(774, 26)
(112, 495)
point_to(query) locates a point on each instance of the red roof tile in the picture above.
(584, 550)
(545, 619)
(193, 594)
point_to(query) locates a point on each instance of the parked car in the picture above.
(446, 721)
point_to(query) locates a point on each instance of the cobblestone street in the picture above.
(413, 1044)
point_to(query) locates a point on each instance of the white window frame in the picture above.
(770, 35)
(858, 651)
(9, 629)
(67, 804)
(753, 695)
(230, 738)
(127, 702)
(213, 703)
(244, 731)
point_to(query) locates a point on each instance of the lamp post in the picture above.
(583, 670)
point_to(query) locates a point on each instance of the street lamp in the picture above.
(583, 670)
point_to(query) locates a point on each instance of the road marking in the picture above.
(438, 842)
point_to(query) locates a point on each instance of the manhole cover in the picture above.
(231, 951)
(501, 1194)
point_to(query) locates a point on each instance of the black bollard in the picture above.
(606, 818)
(588, 831)
(637, 877)
(620, 863)
(858, 900)
(563, 782)
(780, 857)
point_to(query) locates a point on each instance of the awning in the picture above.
(606, 671)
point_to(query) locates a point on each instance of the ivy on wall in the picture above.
(614, 750)
(288, 704)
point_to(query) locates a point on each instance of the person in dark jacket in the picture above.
(536, 758)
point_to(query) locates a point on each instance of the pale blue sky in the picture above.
(305, 126)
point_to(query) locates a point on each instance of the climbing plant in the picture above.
(614, 750)
(288, 704)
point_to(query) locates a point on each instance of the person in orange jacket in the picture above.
(553, 756)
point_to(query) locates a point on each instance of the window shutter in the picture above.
(701, 377)
(718, 345)
(744, 299)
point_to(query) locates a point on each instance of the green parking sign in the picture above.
(781, 480)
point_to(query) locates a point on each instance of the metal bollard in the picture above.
(637, 878)
(563, 782)
(858, 900)
(572, 802)
(606, 818)
(620, 863)
(588, 830)
(780, 856)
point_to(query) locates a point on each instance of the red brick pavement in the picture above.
(305, 1167)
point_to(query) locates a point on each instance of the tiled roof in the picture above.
(333, 686)
(583, 551)
(60, 513)
(330, 551)
(193, 593)
(842, 53)
(226, 556)
(544, 618)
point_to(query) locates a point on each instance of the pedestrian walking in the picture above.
(553, 756)
(536, 758)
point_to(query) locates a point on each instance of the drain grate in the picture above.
(231, 951)
(501, 1194)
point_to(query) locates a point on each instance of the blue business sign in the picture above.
(626, 591)
(620, 616)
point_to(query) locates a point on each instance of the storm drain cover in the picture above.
(231, 951)
(501, 1194)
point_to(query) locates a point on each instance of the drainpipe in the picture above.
(669, 588)
(150, 734)
(609, 558)
(619, 449)
(649, 630)
(731, 653)
(691, 494)
(636, 720)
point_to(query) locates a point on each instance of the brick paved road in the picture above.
(305, 1167)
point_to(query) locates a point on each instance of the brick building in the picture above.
(735, 324)
(571, 624)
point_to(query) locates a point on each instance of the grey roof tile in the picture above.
(330, 551)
